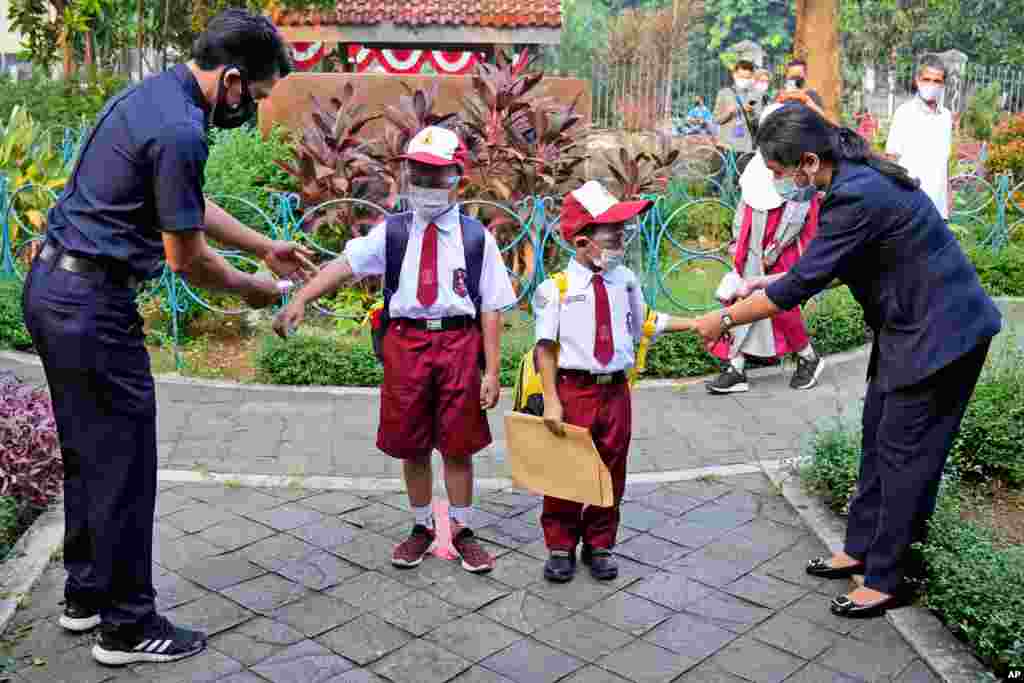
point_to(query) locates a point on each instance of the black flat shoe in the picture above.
(602, 565)
(820, 567)
(560, 568)
(843, 606)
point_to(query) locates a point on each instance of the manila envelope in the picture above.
(566, 467)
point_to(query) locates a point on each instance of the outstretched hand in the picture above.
(709, 327)
(290, 259)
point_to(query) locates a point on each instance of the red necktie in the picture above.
(427, 290)
(604, 341)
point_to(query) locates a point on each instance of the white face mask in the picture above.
(428, 203)
(930, 92)
(610, 259)
(761, 88)
(744, 83)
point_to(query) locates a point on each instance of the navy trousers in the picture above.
(89, 335)
(908, 434)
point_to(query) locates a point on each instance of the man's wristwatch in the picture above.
(727, 322)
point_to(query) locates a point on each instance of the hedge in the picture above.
(13, 334)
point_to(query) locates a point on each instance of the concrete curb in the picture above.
(951, 660)
(29, 559)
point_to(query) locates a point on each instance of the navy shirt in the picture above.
(139, 173)
(920, 293)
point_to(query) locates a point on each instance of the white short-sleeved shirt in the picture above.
(572, 322)
(922, 139)
(366, 256)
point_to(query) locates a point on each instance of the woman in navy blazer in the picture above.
(882, 237)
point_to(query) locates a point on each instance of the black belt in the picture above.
(458, 322)
(586, 377)
(81, 264)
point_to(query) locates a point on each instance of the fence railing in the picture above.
(682, 240)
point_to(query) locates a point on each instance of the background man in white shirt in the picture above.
(921, 135)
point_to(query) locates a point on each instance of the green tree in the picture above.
(770, 23)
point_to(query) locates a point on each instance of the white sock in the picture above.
(461, 515)
(739, 362)
(424, 515)
(807, 353)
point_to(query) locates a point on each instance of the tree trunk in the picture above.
(817, 41)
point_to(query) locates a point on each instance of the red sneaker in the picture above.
(410, 552)
(474, 558)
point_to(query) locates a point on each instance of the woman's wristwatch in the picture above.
(727, 322)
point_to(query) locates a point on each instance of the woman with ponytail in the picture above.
(881, 236)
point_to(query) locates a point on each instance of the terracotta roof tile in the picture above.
(501, 13)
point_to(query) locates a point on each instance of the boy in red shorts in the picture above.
(445, 285)
(585, 349)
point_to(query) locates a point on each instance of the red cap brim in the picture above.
(623, 211)
(431, 159)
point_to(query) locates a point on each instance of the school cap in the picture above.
(592, 204)
(436, 146)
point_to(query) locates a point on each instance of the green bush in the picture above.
(58, 103)
(241, 164)
(831, 465)
(836, 322)
(315, 360)
(982, 112)
(13, 334)
(1002, 272)
(679, 355)
(990, 444)
(10, 524)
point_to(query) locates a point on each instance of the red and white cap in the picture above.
(593, 204)
(436, 146)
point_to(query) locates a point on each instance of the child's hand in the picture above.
(490, 391)
(289, 319)
(553, 416)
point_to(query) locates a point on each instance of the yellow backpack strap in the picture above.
(650, 326)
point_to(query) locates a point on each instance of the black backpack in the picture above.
(396, 240)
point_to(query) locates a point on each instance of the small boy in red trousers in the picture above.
(444, 288)
(585, 349)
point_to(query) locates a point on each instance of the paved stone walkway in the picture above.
(295, 586)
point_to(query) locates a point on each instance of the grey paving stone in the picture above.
(814, 608)
(335, 502)
(172, 590)
(236, 533)
(511, 533)
(304, 662)
(709, 672)
(757, 662)
(525, 612)
(327, 533)
(183, 551)
(650, 550)
(594, 674)
(728, 612)
(236, 499)
(357, 676)
(479, 674)
(867, 660)
(494, 549)
(210, 614)
(917, 672)
(316, 614)
(421, 662)
(701, 489)
(370, 591)
(716, 516)
(813, 673)
(368, 550)
(528, 661)
(377, 517)
(671, 502)
(629, 613)
(266, 593)
(242, 677)
(635, 491)
(319, 570)
(645, 663)
(671, 590)
(365, 639)
(256, 640)
(769, 536)
(778, 510)
(740, 501)
(204, 668)
(166, 532)
(631, 571)
(274, 551)
(583, 637)
(73, 666)
(292, 493)
(798, 636)
(286, 517)
(466, 590)
(419, 613)
(640, 517)
(582, 592)
(709, 570)
(170, 502)
(517, 570)
(754, 482)
(765, 590)
(683, 532)
(217, 573)
(690, 636)
(473, 637)
(791, 565)
(195, 518)
(41, 638)
(539, 549)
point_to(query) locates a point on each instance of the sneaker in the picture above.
(807, 372)
(602, 565)
(410, 552)
(161, 641)
(560, 567)
(474, 558)
(78, 618)
(731, 381)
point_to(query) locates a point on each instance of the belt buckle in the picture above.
(435, 325)
(604, 379)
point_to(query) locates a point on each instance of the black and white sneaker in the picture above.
(161, 641)
(807, 372)
(78, 618)
(732, 381)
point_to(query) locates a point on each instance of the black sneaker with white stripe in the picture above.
(731, 381)
(79, 618)
(160, 641)
(807, 372)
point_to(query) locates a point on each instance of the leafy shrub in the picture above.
(60, 103)
(982, 112)
(15, 518)
(1002, 272)
(679, 355)
(241, 164)
(1006, 153)
(30, 466)
(13, 334)
(831, 464)
(835, 322)
(315, 360)
(991, 439)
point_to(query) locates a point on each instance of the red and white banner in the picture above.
(308, 55)
(369, 59)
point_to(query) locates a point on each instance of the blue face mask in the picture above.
(787, 188)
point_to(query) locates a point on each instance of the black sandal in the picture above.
(843, 606)
(820, 567)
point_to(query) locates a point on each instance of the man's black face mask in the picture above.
(225, 116)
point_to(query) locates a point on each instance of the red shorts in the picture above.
(431, 393)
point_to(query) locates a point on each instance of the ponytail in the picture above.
(848, 145)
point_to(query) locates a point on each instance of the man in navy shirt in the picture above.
(134, 200)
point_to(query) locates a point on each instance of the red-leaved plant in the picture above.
(31, 469)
